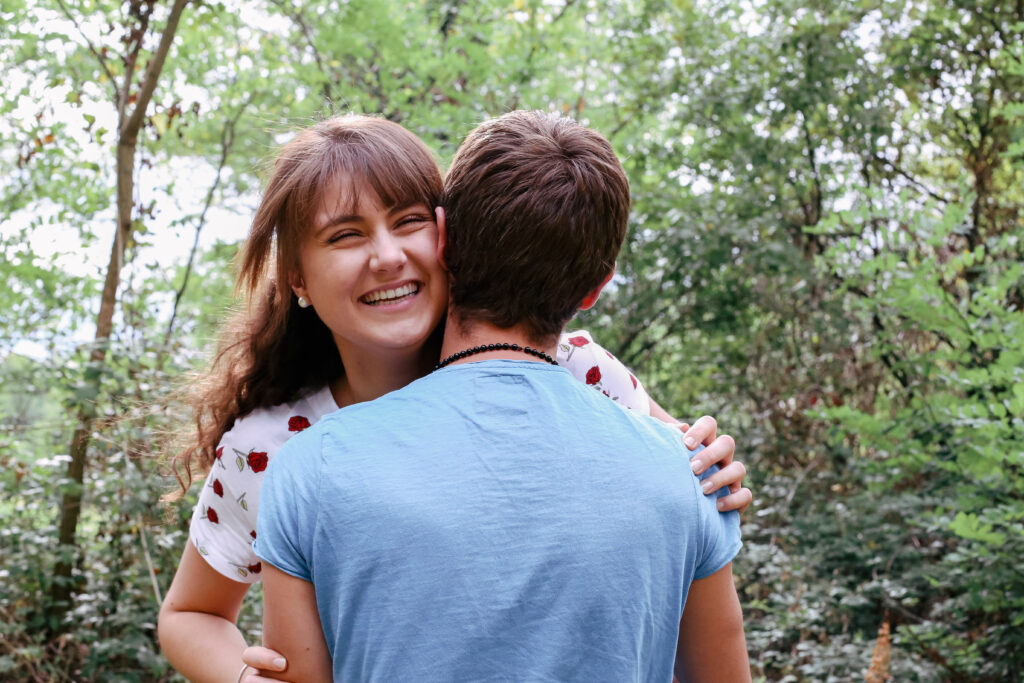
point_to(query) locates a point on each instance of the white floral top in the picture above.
(224, 520)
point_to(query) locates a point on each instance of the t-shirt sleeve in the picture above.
(289, 506)
(224, 520)
(593, 365)
(720, 531)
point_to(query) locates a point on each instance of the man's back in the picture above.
(494, 520)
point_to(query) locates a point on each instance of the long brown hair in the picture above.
(272, 351)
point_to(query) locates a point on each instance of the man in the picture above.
(498, 519)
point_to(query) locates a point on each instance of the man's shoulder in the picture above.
(364, 427)
(301, 451)
(593, 406)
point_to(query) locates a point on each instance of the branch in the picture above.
(622, 124)
(783, 514)
(227, 139)
(95, 53)
(633, 357)
(149, 560)
(132, 59)
(565, 8)
(816, 198)
(449, 19)
(131, 127)
(297, 17)
(895, 168)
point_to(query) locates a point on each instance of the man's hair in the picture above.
(536, 209)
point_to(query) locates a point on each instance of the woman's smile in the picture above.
(372, 275)
(388, 297)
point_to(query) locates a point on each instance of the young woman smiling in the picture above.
(344, 298)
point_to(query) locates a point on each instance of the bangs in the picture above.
(378, 156)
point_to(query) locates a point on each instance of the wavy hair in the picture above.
(271, 351)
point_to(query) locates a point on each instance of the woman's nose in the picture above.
(388, 253)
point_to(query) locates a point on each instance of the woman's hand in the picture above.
(720, 450)
(261, 660)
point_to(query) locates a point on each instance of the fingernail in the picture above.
(706, 486)
(697, 466)
(690, 442)
(721, 504)
(280, 663)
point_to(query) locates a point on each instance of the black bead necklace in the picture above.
(503, 346)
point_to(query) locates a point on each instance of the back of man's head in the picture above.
(536, 208)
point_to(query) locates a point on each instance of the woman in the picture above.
(345, 299)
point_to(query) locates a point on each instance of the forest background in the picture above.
(825, 253)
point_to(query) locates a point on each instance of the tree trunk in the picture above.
(63, 586)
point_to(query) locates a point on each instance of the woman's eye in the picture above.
(341, 236)
(413, 221)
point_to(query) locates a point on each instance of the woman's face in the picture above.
(373, 276)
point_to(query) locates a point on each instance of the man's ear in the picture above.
(590, 299)
(442, 235)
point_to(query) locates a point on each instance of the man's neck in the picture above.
(463, 335)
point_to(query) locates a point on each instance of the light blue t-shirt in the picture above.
(494, 521)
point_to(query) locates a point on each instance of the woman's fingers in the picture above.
(731, 475)
(703, 431)
(739, 500)
(264, 658)
(720, 451)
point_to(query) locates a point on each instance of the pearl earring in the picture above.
(303, 302)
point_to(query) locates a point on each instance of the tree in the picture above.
(131, 97)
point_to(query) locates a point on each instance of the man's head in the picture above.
(536, 208)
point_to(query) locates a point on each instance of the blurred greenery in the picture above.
(825, 253)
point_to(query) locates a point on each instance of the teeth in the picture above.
(385, 295)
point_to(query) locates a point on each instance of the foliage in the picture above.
(825, 253)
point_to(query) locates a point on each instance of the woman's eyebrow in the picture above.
(339, 220)
(406, 206)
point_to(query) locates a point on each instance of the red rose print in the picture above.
(578, 341)
(220, 452)
(253, 534)
(297, 423)
(211, 515)
(258, 461)
(218, 488)
(256, 568)
(633, 379)
(609, 354)
(594, 375)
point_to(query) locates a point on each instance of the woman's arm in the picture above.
(197, 622)
(197, 628)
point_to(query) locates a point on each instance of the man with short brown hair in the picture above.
(538, 207)
(497, 519)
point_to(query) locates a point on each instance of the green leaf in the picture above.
(968, 526)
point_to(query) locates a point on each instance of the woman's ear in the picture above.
(442, 235)
(298, 285)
